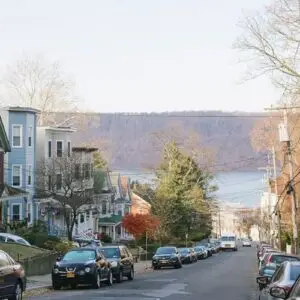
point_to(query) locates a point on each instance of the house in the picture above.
(139, 205)
(20, 163)
(111, 221)
(52, 142)
(6, 192)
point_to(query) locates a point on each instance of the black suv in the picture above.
(166, 257)
(121, 260)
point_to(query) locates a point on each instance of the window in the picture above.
(50, 184)
(69, 149)
(16, 212)
(49, 148)
(29, 175)
(59, 148)
(58, 181)
(16, 175)
(30, 136)
(29, 212)
(120, 213)
(92, 170)
(17, 135)
(77, 171)
(81, 218)
(104, 211)
(86, 171)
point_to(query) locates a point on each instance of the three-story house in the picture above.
(20, 163)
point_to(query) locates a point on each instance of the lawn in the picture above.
(19, 252)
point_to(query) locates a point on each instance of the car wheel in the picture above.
(155, 267)
(131, 275)
(110, 279)
(18, 292)
(178, 266)
(119, 277)
(97, 281)
(56, 286)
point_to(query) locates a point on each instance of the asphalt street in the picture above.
(225, 276)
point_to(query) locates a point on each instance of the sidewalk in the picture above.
(43, 281)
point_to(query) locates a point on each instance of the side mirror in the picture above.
(58, 258)
(262, 280)
(278, 292)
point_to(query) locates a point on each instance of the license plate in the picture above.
(164, 261)
(227, 246)
(70, 275)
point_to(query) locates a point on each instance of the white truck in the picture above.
(228, 242)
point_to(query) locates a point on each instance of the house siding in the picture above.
(24, 156)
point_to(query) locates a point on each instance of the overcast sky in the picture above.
(138, 55)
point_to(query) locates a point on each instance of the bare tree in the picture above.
(34, 82)
(272, 41)
(67, 180)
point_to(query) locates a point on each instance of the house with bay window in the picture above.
(20, 163)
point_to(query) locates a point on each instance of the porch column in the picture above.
(114, 232)
(122, 231)
(91, 220)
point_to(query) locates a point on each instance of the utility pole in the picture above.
(278, 216)
(285, 138)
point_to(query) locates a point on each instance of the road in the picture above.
(225, 276)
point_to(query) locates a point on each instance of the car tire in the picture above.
(155, 268)
(131, 275)
(178, 266)
(119, 277)
(110, 279)
(18, 292)
(56, 286)
(97, 281)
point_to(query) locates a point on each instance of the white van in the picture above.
(228, 241)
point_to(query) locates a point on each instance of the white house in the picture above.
(60, 164)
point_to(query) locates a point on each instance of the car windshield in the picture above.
(79, 255)
(184, 250)
(113, 252)
(295, 272)
(21, 241)
(199, 248)
(227, 238)
(165, 250)
(278, 259)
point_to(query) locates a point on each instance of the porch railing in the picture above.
(55, 230)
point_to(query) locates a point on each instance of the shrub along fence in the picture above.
(40, 264)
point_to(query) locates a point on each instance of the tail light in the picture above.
(287, 288)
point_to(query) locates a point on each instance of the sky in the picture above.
(138, 55)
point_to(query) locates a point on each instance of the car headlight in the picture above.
(114, 264)
(55, 271)
(87, 269)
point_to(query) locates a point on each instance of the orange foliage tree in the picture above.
(139, 224)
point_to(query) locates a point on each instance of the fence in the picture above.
(39, 265)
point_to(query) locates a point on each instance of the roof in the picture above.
(9, 191)
(23, 109)
(84, 149)
(111, 220)
(58, 128)
(138, 201)
(3, 138)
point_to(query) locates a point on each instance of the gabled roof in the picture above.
(125, 185)
(3, 138)
(9, 191)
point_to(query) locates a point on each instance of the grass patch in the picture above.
(19, 251)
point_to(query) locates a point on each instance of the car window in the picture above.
(4, 260)
(294, 272)
(278, 259)
(277, 274)
(21, 241)
(2, 238)
(166, 250)
(11, 240)
(81, 255)
(295, 292)
(112, 252)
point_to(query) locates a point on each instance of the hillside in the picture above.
(131, 143)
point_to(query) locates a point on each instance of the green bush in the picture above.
(51, 242)
(106, 238)
(63, 247)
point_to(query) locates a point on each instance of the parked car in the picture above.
(166, 257)
(274, 260)
(281, 293)
(207, 247)
(246, 243)
(284, 277)
(82, 266)
(263, 261)
(11, 238)
(12, 278)
(185, 255)
(122, 262)
(201, 252)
